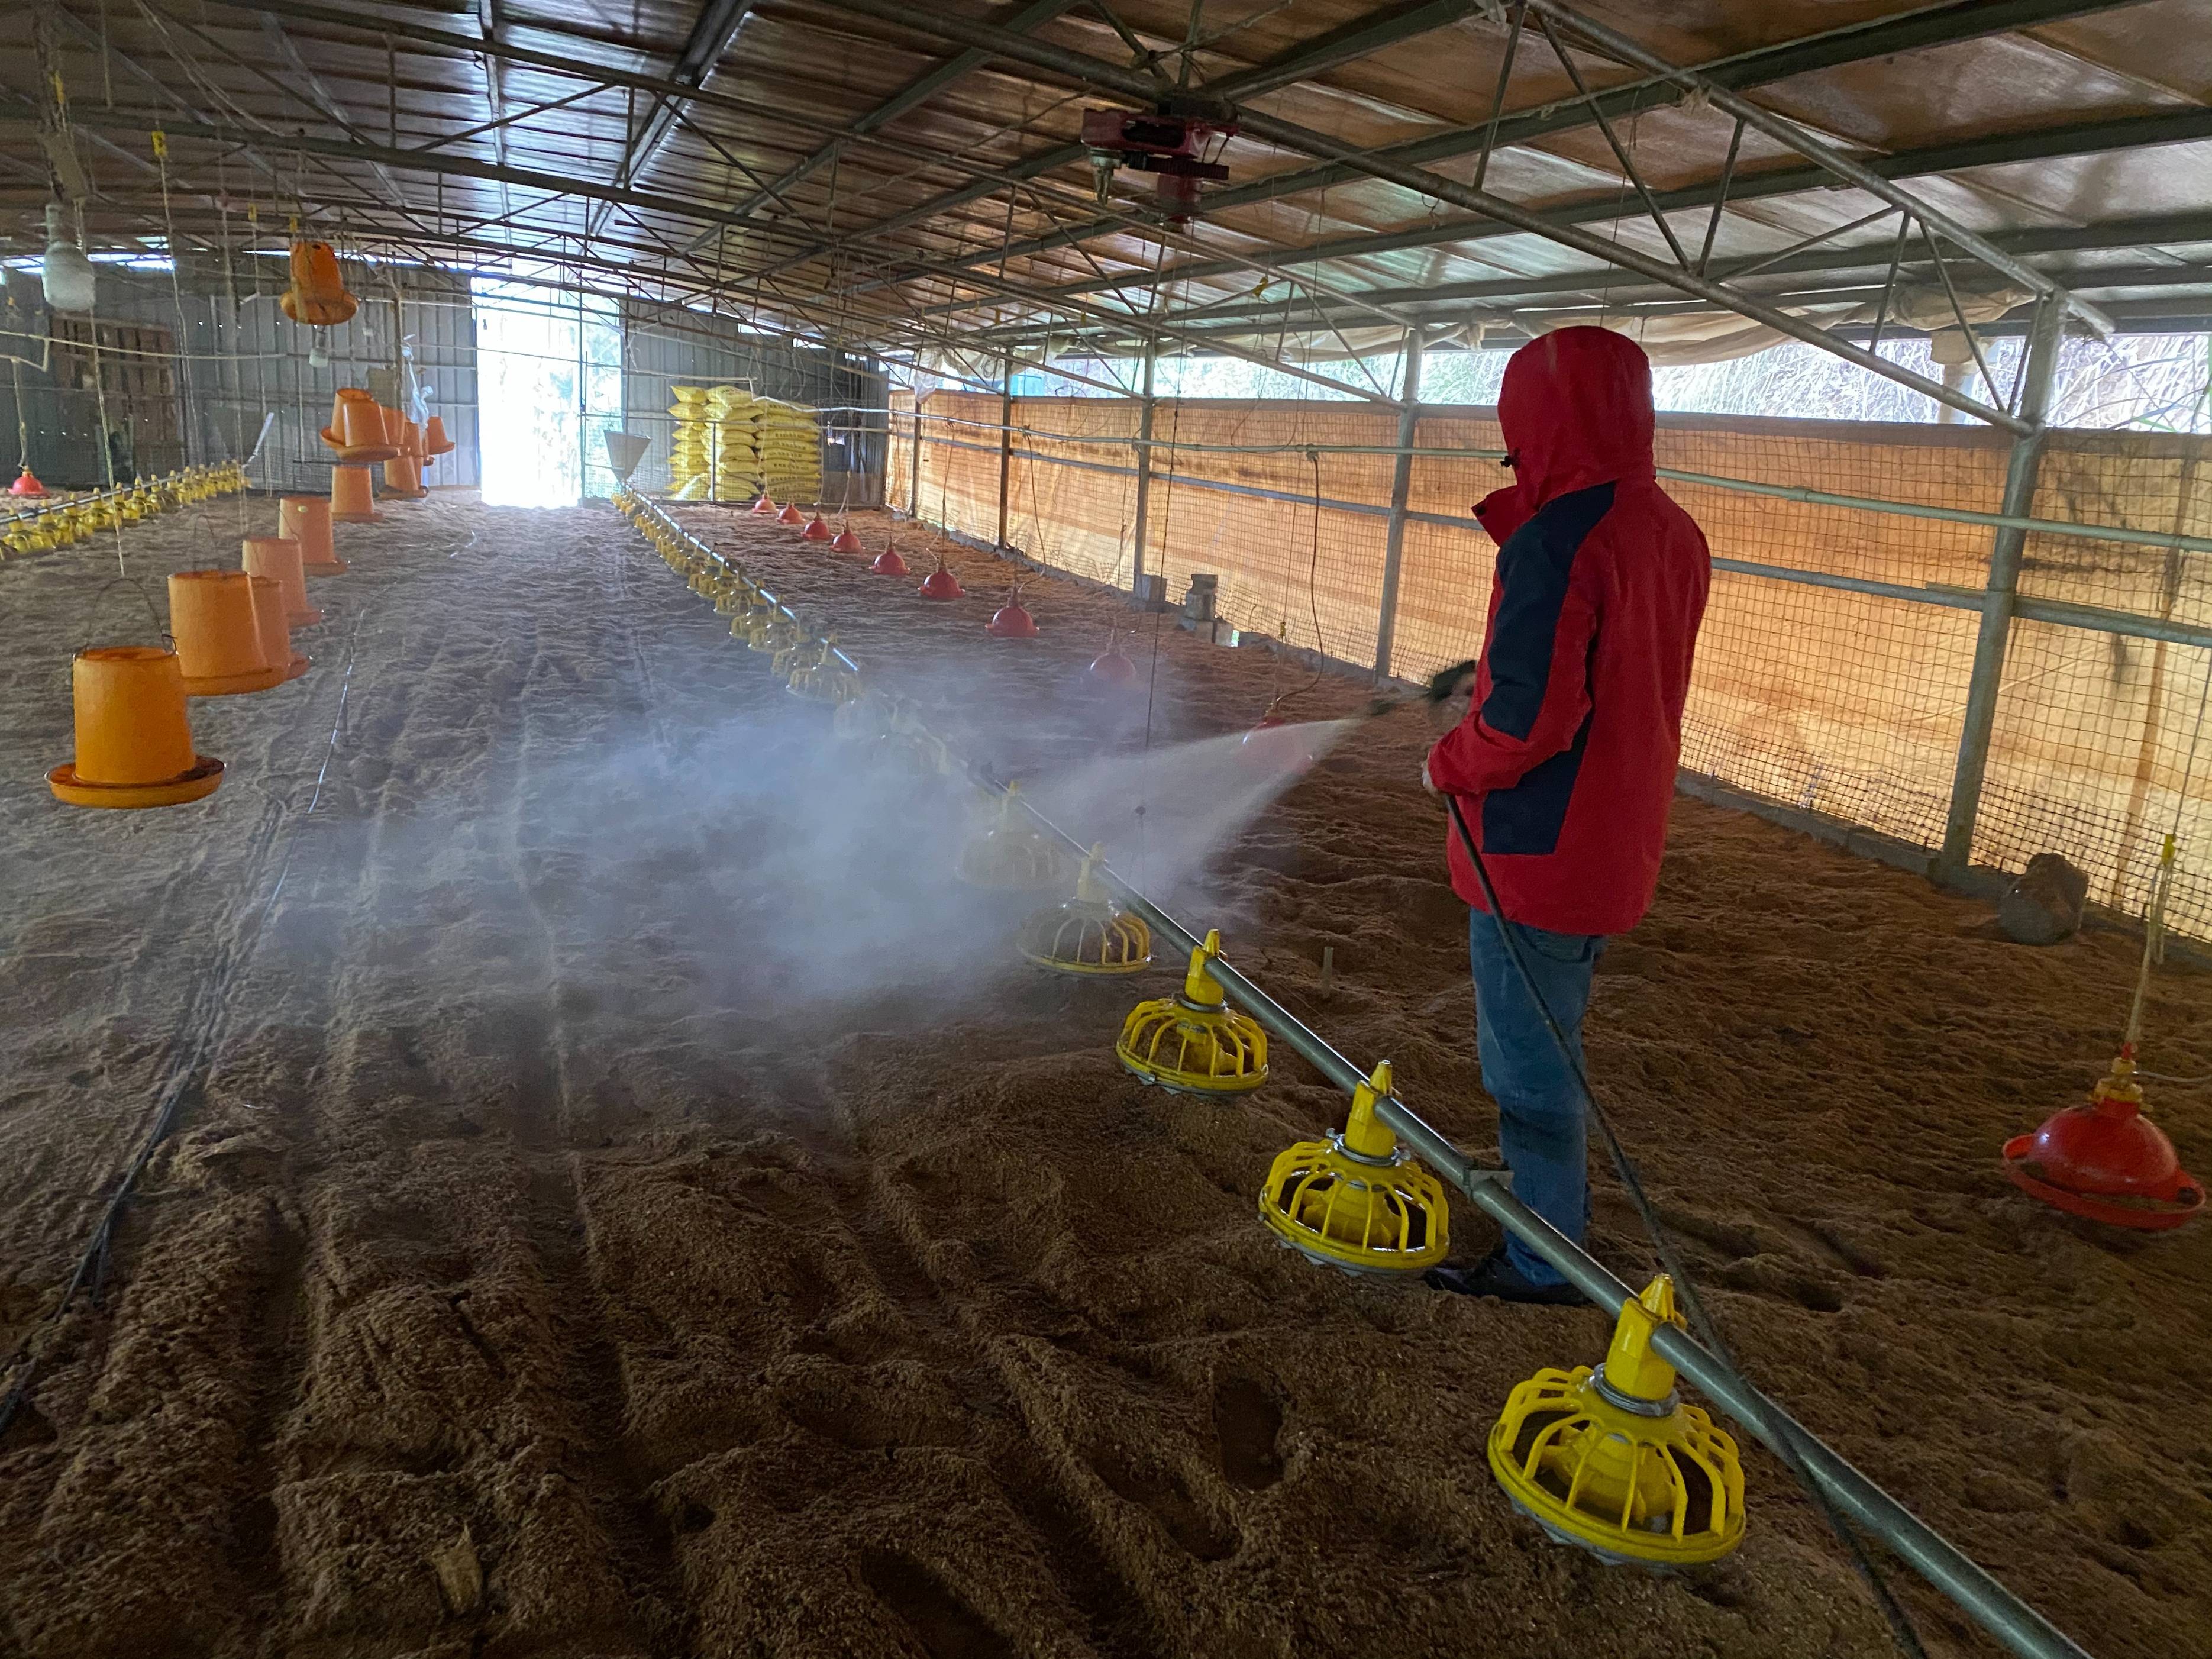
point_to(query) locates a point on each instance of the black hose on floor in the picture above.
(1783, 1440)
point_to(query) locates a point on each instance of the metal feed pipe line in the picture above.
(2020, 1627)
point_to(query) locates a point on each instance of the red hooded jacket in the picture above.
(1564, 765)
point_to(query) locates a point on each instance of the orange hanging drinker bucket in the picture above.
(306, 520)
(365, 440)
(219, 644)
(434, 440)
(275, 631)
(134, 744)
(278, 556)
(353, 496)
(318, 296)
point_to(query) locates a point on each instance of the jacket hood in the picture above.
(1576, 409)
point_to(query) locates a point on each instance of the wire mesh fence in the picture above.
(1838, 653)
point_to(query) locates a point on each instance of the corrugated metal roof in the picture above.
(788, 181)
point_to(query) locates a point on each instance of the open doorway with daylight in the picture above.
(548, 368)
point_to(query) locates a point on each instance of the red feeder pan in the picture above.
(941, 584)
(1011, 622)
(1275, 745)
(815, 530)
(26, 484)
(1112, 667)
(888, 562)
(2105, 1160)
(763, 505)
(845, 542)
(789, 515)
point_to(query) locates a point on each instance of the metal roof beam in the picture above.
(715, 28)
(911, 96)
(1960, 20)
(1339, 46)
(1087, 70)
(2050, 143)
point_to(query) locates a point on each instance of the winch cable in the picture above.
(211, 1025)
(1778, 1434)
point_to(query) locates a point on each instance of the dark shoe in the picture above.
(1495, 1276)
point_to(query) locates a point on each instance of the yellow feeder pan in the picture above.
(134, 744)
(1193, 1043)
(1088, 934)
(219, 644)
(1611, 1460)
(1013, 855)
(1358, 1200)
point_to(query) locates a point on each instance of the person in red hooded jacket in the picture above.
(1564, 767)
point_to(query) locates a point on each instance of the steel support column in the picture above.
(1006, 447)
(913, 473)
(2001, 598)
(1145, 407)
(1401, 480)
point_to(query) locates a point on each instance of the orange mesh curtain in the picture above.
(1845, 703)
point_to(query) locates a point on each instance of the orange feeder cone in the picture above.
(306, 520)
(763, 505)
(789, 515)
(275, 631)
(219, 647)
(845, 542)
(363, 440)
(941, 584)
(2105, 1160)
(134, 744)
(434, 440)
(27, 484)
(888, 562)
(1011, 622)
(815, 530)
(278, 556)
(353, 496)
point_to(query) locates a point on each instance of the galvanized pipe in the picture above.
(2020, 1627)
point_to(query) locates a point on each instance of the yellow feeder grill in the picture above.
(1612, 1462)
(1088, 934)
(1013, 854)
(1358, 1200)
(1194, 1043)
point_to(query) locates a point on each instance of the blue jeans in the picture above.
(1539, 1108)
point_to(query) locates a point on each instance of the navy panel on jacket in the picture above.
(1529, 817)
(1534, 567)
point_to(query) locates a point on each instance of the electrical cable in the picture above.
(1774, 1432)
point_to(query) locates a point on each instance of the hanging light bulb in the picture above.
(69, 280)
(318, 352)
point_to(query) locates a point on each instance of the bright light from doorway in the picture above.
(549, 382)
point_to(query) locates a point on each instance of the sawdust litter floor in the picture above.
(625, 1203)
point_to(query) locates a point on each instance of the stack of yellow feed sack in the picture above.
(734, 412)
(689, 477)
(790, 449)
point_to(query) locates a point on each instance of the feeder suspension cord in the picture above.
(1783, 1441)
